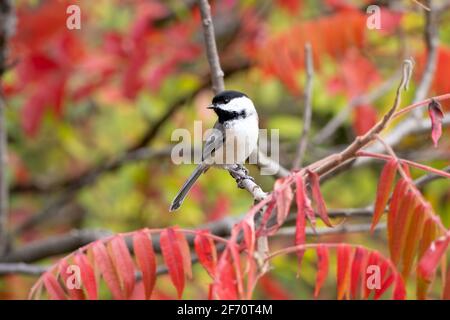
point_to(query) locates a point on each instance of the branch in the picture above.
(340, 229)
(307, 114)
(432, 43)
(332, 162)
(211, 47)
(22, 268)
(55, 245)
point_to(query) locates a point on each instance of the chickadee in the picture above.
(234, 138)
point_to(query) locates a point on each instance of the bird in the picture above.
(233, 139)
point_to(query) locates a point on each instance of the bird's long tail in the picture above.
(178, 200)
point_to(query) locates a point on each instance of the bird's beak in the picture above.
(211, 106)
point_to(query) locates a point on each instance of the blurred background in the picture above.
(90, 114)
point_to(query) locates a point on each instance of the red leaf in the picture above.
(283, 195)
(87, 275)
(317, 196)
(436, 115)
(206, 252)
(303, 202)
(173, 258)
(145, 258)
(107, 270)
(224, 286)
(399, 292)
(387, 277)
(401, 226)
(273, 289)
(428, 235)
(344, 262)
(123, 262)
(54, 289)
(393, 209)
(359, 261)
(186, 253)
(430, 260)
(74, 293)
(412, 239)
(384, 286)
(384, 189)
(322, 268)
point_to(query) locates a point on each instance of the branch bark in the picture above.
(307, 114)
(211, 47)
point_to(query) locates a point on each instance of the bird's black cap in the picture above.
(225, 96)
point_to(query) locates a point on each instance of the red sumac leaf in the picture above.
(146, 261)
(384, 286)
(402, 225)
(54, 289)
(436, 115)
(206, 252)
(186, 253)
(123, 262)
(317, 196)
(225, 284)
(412, 239)
(384, 189)
(322, 268)
(87, 275)
(394, 205)
(430, 260)
(344, 262)
(283, 195)
(107, 270)
(66, 275)
(173, 258)
(303, 202)
(358, 270)
(399, 292)
(429, 234)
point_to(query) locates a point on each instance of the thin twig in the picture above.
(307, 114)
(340, 229)
(334, 161)
(431, 43)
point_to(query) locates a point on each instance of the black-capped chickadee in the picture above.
(234, 137)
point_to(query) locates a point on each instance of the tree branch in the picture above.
(211, 47)
(307, 114)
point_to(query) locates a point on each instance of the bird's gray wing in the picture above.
(214, 141)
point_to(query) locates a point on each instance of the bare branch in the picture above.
(340, 229)
(307, 114)
(22, 268)
(211, 47)
(432, 43)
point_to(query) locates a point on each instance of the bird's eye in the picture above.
(226, 100)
